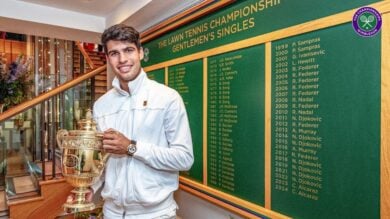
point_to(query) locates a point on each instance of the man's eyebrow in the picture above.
(126, 48)
(111, 51)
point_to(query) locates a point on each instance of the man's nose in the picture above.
(122, 57)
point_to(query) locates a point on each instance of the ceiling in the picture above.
(84, 20)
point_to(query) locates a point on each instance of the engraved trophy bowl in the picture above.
(82, 161)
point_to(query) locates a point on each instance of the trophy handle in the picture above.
(105, 154)
(105, 157)
(60, 136)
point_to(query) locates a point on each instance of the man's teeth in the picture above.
(124, 68)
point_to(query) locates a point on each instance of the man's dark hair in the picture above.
(120, 32)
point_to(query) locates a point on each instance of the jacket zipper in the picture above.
(129, 173)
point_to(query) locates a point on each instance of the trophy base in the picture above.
(78, 207)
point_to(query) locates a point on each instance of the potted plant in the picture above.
(14, 81)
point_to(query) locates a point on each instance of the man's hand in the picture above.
(115, 142)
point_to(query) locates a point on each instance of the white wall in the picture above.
(192, 207)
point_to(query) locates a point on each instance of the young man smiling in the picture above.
(146, 130)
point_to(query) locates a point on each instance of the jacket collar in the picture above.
(134, 85)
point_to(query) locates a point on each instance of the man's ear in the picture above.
(141, 53)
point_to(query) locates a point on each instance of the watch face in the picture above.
(131, 149)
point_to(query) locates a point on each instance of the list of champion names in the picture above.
(222, 118)
(297, 168)
(176, 80)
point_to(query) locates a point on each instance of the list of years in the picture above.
(222, 117)
(186, 79)
(176, 79)
(296, 140)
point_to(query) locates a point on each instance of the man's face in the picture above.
(125, 59)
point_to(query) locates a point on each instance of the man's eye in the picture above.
(128, 50)
(113, 54)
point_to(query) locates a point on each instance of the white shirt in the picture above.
(154, 115)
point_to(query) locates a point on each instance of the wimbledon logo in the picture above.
(367, 22)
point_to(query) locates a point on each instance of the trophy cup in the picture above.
(82, 161)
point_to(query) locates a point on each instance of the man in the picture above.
(146, 130)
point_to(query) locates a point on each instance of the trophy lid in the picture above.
(87, 124)
(86, 127)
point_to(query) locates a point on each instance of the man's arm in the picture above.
(178, 156)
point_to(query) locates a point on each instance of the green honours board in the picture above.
(326, 125)
(285, 107)
(242, 20)
(187, 79)
(157, 75)
(235, 123)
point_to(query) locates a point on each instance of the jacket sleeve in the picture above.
(178, 156)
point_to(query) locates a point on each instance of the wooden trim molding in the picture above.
(217, 202)
(385, 118)
(175, 18)
(224, 196)
(267, 125)
(183, 18)
(205, 88)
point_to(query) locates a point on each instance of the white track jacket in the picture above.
(154, 115)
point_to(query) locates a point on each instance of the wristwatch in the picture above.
(132, 148)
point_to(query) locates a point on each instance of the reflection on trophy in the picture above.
(83, 161)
